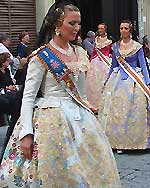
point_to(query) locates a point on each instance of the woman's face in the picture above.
(7, 42)
(101, 30)
(70, 26)
(79, 40)
(125, 30)
(7, 63)
(26, 39)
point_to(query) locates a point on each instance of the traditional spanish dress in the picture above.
(126, 112)
(70, 148)
(97, 74)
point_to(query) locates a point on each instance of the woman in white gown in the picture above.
(58, 141)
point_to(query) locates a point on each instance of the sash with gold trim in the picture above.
(61, 73)
(103, 57)
(131, 73)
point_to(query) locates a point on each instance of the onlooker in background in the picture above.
(146, 49)
(5, 81)
(22, 48)
(146, 46)
(20, 75)
(5, 42)
(4, 45)
(7, 84)
(10, 99)
(5, 78)
(78, 40)
(22, 52)
(89, 43)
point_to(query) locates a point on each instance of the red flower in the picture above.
(12, 156)
(55, 64)
(35, 153)
(14, 144)
(10, 171)
(15, 139)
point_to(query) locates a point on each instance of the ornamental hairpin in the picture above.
(59, 10)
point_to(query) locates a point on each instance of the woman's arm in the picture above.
(143, 66)
(33, 81)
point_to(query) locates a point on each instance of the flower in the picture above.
(35, 154)
(10, 171)
(15, 139)
(18, 161)
(14, 144)
(12, 155)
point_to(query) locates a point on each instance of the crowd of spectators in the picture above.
(12, 78)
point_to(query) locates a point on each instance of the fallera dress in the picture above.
(97, 75)
(127, 116)
(70, 148)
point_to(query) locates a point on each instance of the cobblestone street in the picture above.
(134, 167)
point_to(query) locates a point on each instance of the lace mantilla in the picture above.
(103, 44)
(135, 47)
(83, 63)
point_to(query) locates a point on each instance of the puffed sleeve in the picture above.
(143, 66)
(84, 66)
(35, 74)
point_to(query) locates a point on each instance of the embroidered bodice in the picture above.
(135, 58)
(52, 92)
(105, 48)
(102, 44)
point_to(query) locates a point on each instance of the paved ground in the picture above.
(2, 135)
(134, 167)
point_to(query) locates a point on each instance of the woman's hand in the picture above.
(26, 146)
(11, 87)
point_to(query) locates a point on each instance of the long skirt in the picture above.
(70, 151)
(96, 77)
(126, 114)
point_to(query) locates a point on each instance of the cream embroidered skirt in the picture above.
(126, 115)
(70, 151)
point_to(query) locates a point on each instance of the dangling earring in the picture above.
(57, 31)
(130, 36)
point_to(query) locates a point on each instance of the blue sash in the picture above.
(61, 73)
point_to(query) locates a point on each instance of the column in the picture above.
(140, 18)
(42, 7)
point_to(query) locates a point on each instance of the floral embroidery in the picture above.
(18, 181)
(60, 158)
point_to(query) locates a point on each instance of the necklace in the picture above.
(102, 38)
(67, 52)
(127, 43)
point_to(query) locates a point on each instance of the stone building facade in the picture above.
(144, 17)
